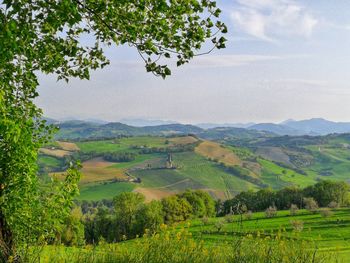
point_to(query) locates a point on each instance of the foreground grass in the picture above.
(180, 246)
(257, 239)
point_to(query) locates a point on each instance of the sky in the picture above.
(285, 59)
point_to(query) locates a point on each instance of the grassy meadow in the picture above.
(241, 239)
(104, 190)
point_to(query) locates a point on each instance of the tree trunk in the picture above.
(6, 239)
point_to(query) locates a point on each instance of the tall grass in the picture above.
(179, 246)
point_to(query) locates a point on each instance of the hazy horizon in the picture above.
(168, 121)
(284, 60)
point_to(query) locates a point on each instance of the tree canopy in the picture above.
(45, 36)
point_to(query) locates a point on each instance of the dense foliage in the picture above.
(119, 157)
(324, 193)
(128, 216)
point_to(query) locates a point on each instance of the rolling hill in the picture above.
(278, 129)
(73, 130)
(164, 160)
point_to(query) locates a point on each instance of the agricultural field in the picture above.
(58, 153)
(220, 169)
(98, 170)
(101, 179)
(68, 146)
(277, 176)
(193, 171)
(104, 190)
(215, 151)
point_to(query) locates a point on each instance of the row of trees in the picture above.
(119, 157)
(324, 193)
(169, 149)
(129, 216)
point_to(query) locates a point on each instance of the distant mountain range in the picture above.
(231, 125)
(316, 126)
(74, 129)
(146, 122)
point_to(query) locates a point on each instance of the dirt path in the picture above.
(169, 185)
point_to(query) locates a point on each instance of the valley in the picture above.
(162, 160)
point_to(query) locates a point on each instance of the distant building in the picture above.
(169, 161)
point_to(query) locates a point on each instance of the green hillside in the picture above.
(273, 162)
(331, 234)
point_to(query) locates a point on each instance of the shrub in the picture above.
(271, 211)
(333, 205)
(326, 212)
(219, 225)
(293, 209)
(205, 220)
(248, 215)
(229, 218)
(310, 204)
(176, 209)
(297, 225)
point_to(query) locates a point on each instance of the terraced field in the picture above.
(330, 234)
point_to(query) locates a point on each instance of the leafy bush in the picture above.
(297, 225)
(271, 211)
(310, 204)
(205, 220)
(202, 203)
(333, 205)
(219, 225)
(229, 218)
(248, 215)
(293, 209)
(326, 212)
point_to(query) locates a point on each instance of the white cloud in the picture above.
(228, 60)
(270, 19)
(305, 82)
